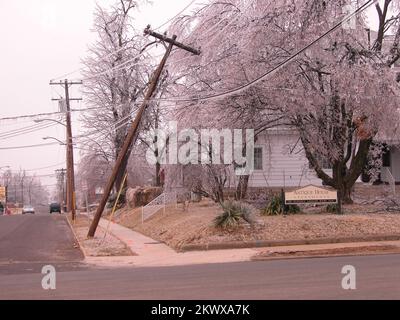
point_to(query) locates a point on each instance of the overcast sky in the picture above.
(41, 40)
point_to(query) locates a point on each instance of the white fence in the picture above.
(158, 203)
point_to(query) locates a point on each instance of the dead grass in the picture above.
(177, 228)
(102, 244)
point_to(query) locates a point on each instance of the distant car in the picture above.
(55, 207)
(28, 209)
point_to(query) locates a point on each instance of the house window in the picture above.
(258, 158)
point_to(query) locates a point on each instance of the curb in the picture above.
(81, 247)
(281, 243)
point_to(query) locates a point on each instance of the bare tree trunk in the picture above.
(241, 189)
(343, 178)
(158, 178)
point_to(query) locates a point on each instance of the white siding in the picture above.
(284, 162)
(395, 163)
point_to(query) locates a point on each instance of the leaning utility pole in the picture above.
(70, 151)
(132, 133)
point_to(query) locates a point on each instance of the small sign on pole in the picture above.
(62, 105)
(311, 194)
(3, 195)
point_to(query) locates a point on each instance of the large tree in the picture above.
(116, 74)
(234, 49)
(339, 94)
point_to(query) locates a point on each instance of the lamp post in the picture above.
(58, 140)
(52, 120)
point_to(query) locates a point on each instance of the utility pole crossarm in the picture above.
(52, 83)
(163, 37)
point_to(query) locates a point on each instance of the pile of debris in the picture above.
(140, 196)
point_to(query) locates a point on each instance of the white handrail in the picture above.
(390, 178)
(158, 203)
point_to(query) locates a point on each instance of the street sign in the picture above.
(3, 195)
(311, 194)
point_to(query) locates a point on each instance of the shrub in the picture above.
(233, 211)
(276, 207)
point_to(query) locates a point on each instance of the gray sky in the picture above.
(41, 40)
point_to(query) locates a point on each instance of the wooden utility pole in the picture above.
(132, 134)
(71, 202)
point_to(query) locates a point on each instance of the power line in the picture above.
(31, 146)
(123, 65)
(31, 116)
(117, 67)
(48, 114)
(20, 129)
(23, 132)
(232, 91)
(274, 69)
(121, 49)
(178, 14)
(48, 167)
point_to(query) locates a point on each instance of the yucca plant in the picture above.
(233, 211)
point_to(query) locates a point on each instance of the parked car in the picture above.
(28, 209)
(55, 207)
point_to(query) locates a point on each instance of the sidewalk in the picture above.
(153, 253)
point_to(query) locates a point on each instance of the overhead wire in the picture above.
(230, 92)
(30, 146)
(23, 132)
(121, 49)
(227, 93)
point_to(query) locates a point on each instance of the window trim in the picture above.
(262, 158)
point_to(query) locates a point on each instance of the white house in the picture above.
(279, 161)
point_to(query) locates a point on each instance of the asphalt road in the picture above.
(378, 277)
(29, 242)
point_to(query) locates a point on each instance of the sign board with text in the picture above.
(311, 194)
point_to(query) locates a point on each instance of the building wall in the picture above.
(284, 162)
(394, 165)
